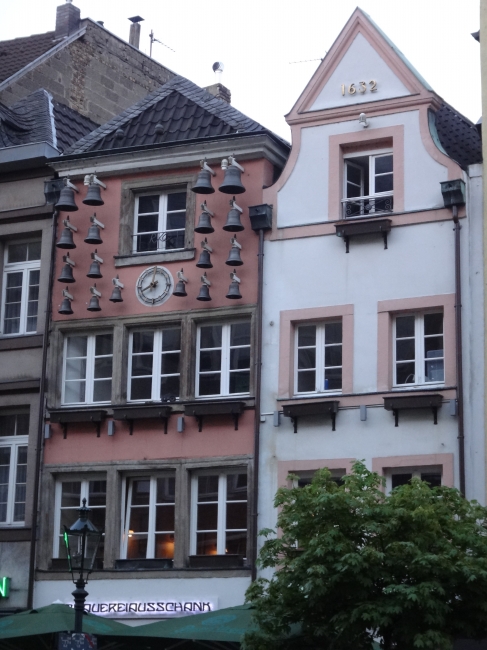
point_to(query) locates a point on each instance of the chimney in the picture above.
(134, 36)
(67, 19)
(220, 92)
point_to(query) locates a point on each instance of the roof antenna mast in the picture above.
(153, 39)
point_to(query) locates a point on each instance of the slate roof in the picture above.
(458, 136)
(177, 111)
(37, 118)
(19, 52)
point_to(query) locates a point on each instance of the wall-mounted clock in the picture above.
(154, 286)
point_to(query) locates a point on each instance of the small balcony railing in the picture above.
(365, 206)
(154, 241)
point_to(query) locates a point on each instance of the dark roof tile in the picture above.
(19, 52)
(458, 136)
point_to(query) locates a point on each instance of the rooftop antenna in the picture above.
(218, 69)
(153, 39)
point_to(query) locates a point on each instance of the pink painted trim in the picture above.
(285, 467)
(387, 308)
(445, 460)
(375, 140)
(454, 170)
(286, 343)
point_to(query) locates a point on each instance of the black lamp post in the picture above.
(82, 541)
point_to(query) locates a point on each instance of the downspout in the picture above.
(459, 349)
(258, 373)
(40, 430)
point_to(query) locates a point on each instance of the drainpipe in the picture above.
(40, 429)
(459, 349)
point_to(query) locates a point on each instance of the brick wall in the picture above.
(98, 75)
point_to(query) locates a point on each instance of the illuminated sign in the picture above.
(143, 609)
(4, 587)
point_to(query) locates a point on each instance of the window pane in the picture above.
(165, 518)
(141, 388)
(140, 492)
(354, 175)
(174, 239)
(333, 379)
(70, 494)
(142, 365)
(97, 494)
(434, 479)
(139, 519)
(207, 488)
(102, 390)
(103, 367)
(209, 384)
(384, 183)
(333, 355)
(333, 333)
(307, 358)
(239, 382)
(211, 336)
(34, 252)
(405, 349)
(383, 164)
(236, 515)
(146, 243)
(74, 391)
(404, 326)
(239, 358)
(434, 370)
(17, 253)
(433, 324)
(76, 346)
(22, 424)
(149, 203)
(7, 425)
(307, 335)
(171, 340)
(142, 342)
(176, 220)
(166, 490)
(405, 373)
(170, 386)
(170, 363)
(75, 368)
(210, 360)
(236, 543)
(400, 479)
(306, 381)
(176, 201)
(207, 516)
(137, 547)
(240, 334)
(148, 223)
(97, 516)
(433, 347)
(236, 487)
(206, 544)
(103, 344)
(164, 546)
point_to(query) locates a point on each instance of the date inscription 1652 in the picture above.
(362, 87)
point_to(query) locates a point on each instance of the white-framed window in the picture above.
(159, 221)
(69, 496)
(402, 475)
(305, 477)
(369, 183)
(14, 435)
(419, 356)
(87, 371)
(149, 518)
(318, 357)
(154, 364)
(219, 513)
(21, 274)
(223, 359)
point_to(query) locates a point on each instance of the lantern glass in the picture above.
(82, 541)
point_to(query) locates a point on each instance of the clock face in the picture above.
(154, 286)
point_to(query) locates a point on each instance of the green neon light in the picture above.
(4, 587)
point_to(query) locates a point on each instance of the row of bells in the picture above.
(232, 183)
(233, 223)
(204, 261)
(93, 305)
(68, 204)
(66, 239)
(68, 277)
(204, 294)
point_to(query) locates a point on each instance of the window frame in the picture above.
(420, 359)
(25, 267)
(414, 470)
(225, 371)
(161, 221)
(372, 155)
(14, 443)
(90, 366)
(319, 359)
(221, 501)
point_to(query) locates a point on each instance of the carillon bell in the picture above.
(231, 181)
(65, 307)
(93, 236)
(66, 240)
(66, 274)
(203, 183)
(234, 291)
(180, 290)
(93, 196)
(66, 200)
(116, 295)
(95, 271)
(204, 293)
(233, 223)
(205, 260)
(234, 257)
(94, 304)
(204, 223)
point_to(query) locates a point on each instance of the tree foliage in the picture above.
(353, 564)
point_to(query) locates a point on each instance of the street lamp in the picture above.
(82, 541)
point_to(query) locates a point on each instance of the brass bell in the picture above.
(66, 274)
(66, 239)
(65, 308)
(203, 183)
(204, 223)
(93, 236)
(204, 293)
(234, 257)
(66, 200)
(94, 271)
(93, 196)
(94, 304)
(231, 181)
(233, 223)
(180, 290)
(116, 295)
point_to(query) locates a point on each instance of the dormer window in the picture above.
(369, 184)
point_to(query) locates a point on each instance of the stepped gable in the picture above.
(177, 111)
(19, 52)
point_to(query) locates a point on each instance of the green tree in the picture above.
(352, 564)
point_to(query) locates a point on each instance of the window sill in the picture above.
(305, 409)
(158, 256)
(202, 409)
(412, 402)
(143, 565)
(216, 561)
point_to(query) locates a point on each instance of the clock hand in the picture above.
(153, 276)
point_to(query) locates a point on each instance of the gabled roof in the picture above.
(37, 118)
(179, 110)
(458, 136)
(19, 52)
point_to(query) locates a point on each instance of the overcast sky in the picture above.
(259, 42)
